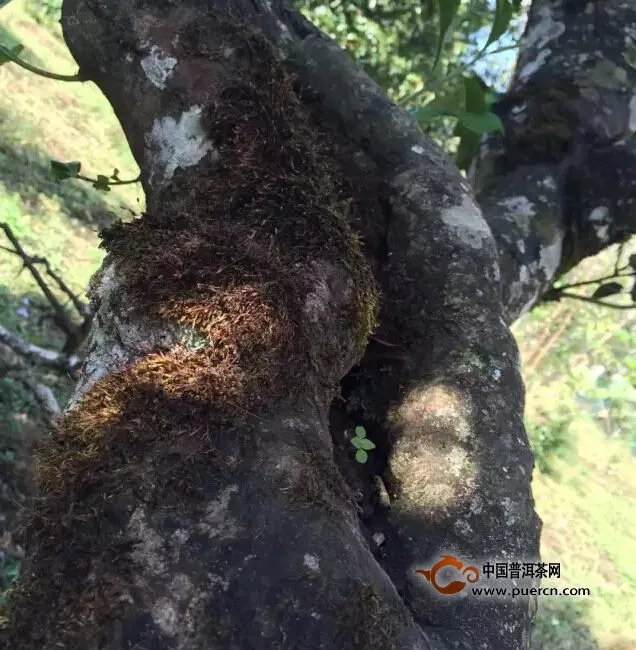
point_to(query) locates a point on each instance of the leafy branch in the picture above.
(12, 54)
(607, 286)
(64, 170)
(442, 83)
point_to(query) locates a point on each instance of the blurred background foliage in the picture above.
(579, 360)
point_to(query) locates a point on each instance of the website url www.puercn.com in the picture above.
(529, 591)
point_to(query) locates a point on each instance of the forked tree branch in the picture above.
(75, 333)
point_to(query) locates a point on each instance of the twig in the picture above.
(29, 262)
(43, 396)
(131, 181)
(75, 333)
(38, 355)
(594, 301)
(6, 52)
(455, 73)
(12, 364)
(618, 273)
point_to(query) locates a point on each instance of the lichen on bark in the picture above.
(251, 250)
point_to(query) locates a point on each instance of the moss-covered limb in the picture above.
(451, 396)
(439, 271)
(189, 498)
(568, 115)
(152, 532)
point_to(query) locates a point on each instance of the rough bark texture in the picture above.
(199, 492)
(560, 184)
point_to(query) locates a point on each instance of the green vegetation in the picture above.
(362, 444)
(50, 120)
(579, 360)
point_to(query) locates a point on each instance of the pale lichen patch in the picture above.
(118, 335)
(181, 587)
(165, 616)
(217, 523)
(600, 222)
(545, 30)
(463, 528)
(532, 66)
(632, 114)
(548, 182)
(148, 546)
(550, 257)
(284, 31)
(158, 66)
(519, 206)
(177, 143)
(467, 222)
(311, 562)
(510, 512)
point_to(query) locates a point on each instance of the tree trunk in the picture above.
(200, 490)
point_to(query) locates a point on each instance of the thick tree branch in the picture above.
(13, 364)
(560, 184)
(171, 518)
(41, 356)
(43, 396)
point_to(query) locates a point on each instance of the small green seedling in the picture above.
(362, 444)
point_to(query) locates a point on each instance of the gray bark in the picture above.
(559, 186)
(169, 518)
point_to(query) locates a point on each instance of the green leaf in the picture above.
(362, 456)
(102, 183)
(357, 442)
(62, 170)
(447, 11)
(361, 432)
(480, 122)
(468, 146)
(430, 112)
(475, 92)
(365, 443)
(609, 289)
(503, 15)
(15, 50)
(492, 97)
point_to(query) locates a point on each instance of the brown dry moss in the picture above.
(231, 254)
(366, 621)
(322, 486)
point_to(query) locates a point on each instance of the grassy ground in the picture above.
(42, 120)
(582, 420)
